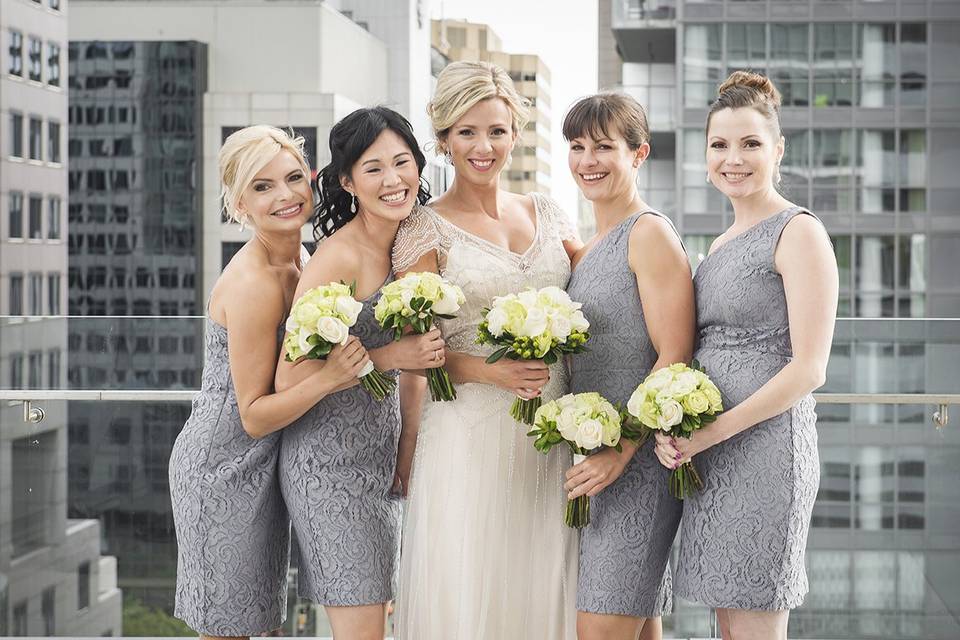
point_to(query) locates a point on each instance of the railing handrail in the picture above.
(126, 395)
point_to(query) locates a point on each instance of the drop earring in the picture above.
(448, 158)
(353, 203)
(243, 221)
(778, 177)
(708, 178)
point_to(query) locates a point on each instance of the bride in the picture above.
(485, 552)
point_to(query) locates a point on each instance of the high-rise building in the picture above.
(871, 118)
(155, 90)
(53, 580)
(457, 40)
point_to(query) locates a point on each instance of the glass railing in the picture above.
(87, 545)
(659, 102)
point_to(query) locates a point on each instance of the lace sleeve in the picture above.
(557, 218)
(418, 235)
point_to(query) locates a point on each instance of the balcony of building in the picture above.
(86, 482)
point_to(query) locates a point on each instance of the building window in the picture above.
(35, 370)
(36, 294)
(35, 218)
(15, 213)
(35, 64)
(20, 619)
(16, 135)
(53, 294)
(53, 141)
(53, 218)
(16, 294)
(53, 369)
(55, 5)
(16, 373)
(83, 586)
(36, 139)
(49, 611)
(53, 64)
(16, 54)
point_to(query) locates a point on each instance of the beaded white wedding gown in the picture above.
(485, 553)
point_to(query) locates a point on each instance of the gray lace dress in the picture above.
(336, 471)
(744, 535)
(625, 550)
(231, 522)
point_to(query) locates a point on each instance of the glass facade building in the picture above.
(871, 118)
(135, 228)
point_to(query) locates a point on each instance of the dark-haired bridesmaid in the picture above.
(337, 463)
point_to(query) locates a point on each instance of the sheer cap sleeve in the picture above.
(557, 218)
(417, 236)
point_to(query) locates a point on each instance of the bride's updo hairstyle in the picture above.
(349, 140)
(244, 153)
(747, 89)
(462, 85)
(607, 115)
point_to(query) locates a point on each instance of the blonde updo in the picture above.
(462, 85)
(245, 153)
(748, 89)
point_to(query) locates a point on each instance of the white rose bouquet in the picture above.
(677, 400)
(537, 324)
(584, 421)
(320, 319)
(414, 301)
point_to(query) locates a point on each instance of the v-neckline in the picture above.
(493, 245)
(745, 232)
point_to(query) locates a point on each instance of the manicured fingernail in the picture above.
(677, 457)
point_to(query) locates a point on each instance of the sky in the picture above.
(564, 34)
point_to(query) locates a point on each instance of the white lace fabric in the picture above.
(485, 552)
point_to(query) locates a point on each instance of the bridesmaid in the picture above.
(337, 463)
(766, 302)
(633, 279)
(231, 523)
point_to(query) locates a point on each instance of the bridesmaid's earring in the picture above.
(778, 177)
(353, 203)
(708, 178)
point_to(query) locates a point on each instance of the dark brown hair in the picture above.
(596, 115)
(748, 89)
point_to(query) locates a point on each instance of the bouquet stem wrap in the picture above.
(578, 510)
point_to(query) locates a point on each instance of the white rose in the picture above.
(333, 330)
(636, 400)
(567, 424)
(660, 379)
(496, 318)
(302, 336)
(349, 309)
(447, 304)
(590, 434)
(528, 298)
(671, 414)
(683, 384)
(535, 324)
(578, 321)
(560, 327)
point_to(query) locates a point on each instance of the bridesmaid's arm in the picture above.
(805, 260)
(660, 265)
(412, 391)
(253, 306)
